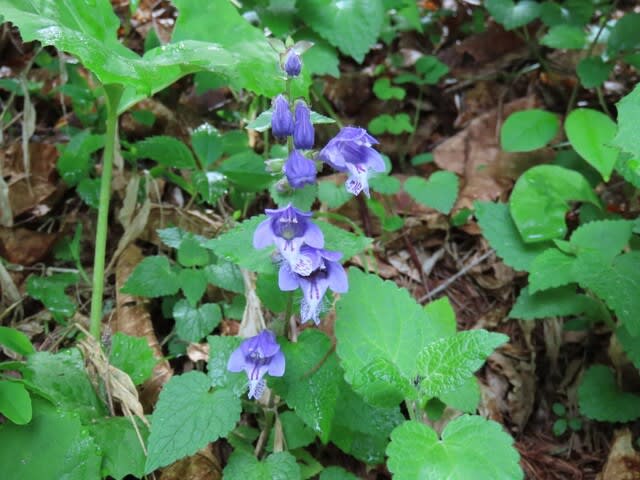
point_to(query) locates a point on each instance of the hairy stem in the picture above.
(113, 94)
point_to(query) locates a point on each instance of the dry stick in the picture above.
(453, 278)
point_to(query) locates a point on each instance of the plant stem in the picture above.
(113, 94)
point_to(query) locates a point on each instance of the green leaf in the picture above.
(551, 269)
(540, 200)
(600, 398)
(616, 282)
(121, 449)
(593, 71)
(89, 191)
(381, 384)
(15, 340)
(625, 34)
(629, 168)
(384, 184)
(383, 89)
(565, 37)
(54, 445)
(389, 329)
(555, 302)
(431, 69)
(247, 171)
(191, 253)
(220, 349)
(277, 466)
(50, 291)
(187, 417)
(255, 63)
(193, 324)
(513, 15)
(15, 402)
(439, 191)
(470, 447)
(311, 391)
(502, 234)
(590, 133)
(207, 144)
(152, 277)
(628, 136)
(528, 130)
(322, 59)
(352, 26)
(193, 283)
(448, 362)
(607, 237)
(61, 377)
(333, 195)
(394, 124)
(270, 294)
(132, 355)
(225, 275)
(360, 429)
(74, 163)
(559, 427)
(167, 151)
(174, 236)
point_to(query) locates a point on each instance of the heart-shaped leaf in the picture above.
(439, 191)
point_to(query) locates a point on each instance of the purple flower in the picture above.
(300, 170)
(303, 133)
(292, 64)
(281, 119)
(289, 228)
(258, 356)
(315, 272)
(351, 151)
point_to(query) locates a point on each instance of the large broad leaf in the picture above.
(132, 355)
(601, 399)
(552, 268)
(555, 302)
(471, 447)
(220, 349)
(54, 445)
(351, 25)
(500, 230)
(256, 66)
(607, 237)
(378, 321)
(15, 340)
(15, 402)
(89, 33)
(311, 382)
(540, 201)
(152, 277)
(591, 134)
(439, 191)
(628, 136)
(187, 417)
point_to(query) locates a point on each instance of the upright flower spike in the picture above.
(258, 356)
(289, 228)
(292, 63)
(281, 119)
(299, 170)
(303, 132)
(351, 151)
(326, 273)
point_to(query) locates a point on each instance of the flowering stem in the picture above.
(269, 416)
(113, 94)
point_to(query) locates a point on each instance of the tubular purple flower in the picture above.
(326, 273)
(281, 119)
(289, 228)
(292, 63)
(258, 356)
(300, 170)
(351, 151)
(303, 132)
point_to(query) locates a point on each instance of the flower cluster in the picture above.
(304, 262)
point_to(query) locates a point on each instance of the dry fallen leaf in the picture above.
(624, 461)
(25, 247)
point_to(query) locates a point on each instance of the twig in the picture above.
(443, 286)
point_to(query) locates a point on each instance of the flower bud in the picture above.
(303, 132)
(300, 170)
(281, 119)
(292, 64)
